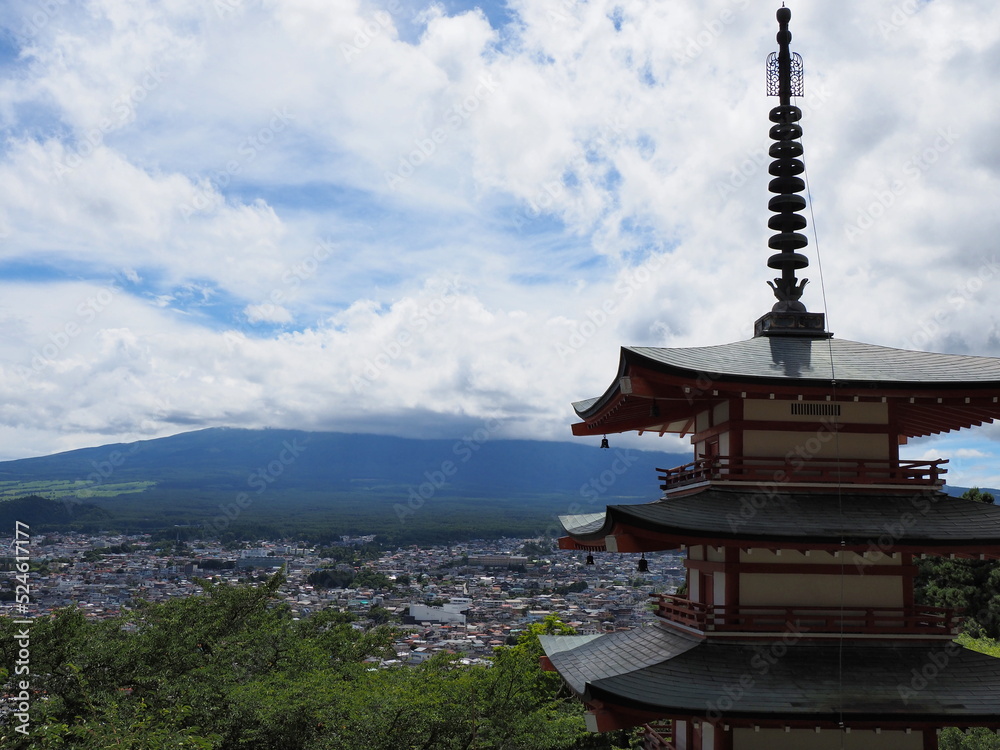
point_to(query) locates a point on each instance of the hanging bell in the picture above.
(590, 559)
(643, 566)
(605, 443)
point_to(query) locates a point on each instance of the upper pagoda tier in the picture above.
(665, 389)
(800, 624)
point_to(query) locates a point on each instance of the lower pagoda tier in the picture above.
(919, 522)
(655, 672)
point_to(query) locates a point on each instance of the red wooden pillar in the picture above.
(706, 588)
(930, 739)
(895, 432)
(736, 427)
(908, 580)
(732, 569)
(694, 734)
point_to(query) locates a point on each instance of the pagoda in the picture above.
(799, 522)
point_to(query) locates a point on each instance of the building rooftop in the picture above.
(918, 521)
(669, 673)
(805, 359)
(933, 392)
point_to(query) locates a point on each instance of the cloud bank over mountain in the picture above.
(409, 218)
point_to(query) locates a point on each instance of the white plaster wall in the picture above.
(819, 444)
(787, 590)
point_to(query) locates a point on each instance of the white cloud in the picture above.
(267, 313)
(231, 169)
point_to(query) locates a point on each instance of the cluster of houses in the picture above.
(466, 598)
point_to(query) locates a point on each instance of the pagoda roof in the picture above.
(681, 379)
(918, 521)
(664, 671)
(798, 358)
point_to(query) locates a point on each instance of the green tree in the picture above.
(231, 669)
(974, 493)
(970, 585)
(339, 577)
(379, 615)
(978, 738)
(371, 579)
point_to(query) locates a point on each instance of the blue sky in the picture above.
(400, 216)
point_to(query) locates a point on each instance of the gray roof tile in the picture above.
(795, 678)
(920, 518)
(790, 357)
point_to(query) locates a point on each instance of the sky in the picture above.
(417, 218)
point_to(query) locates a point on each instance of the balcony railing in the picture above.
(915, 620)
(799, 471)
(658, 736)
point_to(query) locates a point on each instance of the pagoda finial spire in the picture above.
(784, 80)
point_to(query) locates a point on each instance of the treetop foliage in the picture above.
(231, 669)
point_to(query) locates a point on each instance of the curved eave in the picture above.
(945, 400)
(819, 361)
(653, 670)
(592, 406)
(921, 522)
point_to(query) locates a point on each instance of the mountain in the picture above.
(283, 482)
(287, 481)
(246, 460)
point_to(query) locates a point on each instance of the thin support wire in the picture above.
(836, 443)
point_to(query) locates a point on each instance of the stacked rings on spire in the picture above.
(786, 185)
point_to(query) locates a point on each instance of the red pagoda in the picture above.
(800, 525)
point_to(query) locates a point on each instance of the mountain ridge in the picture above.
(273, 482)
(243, 459)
